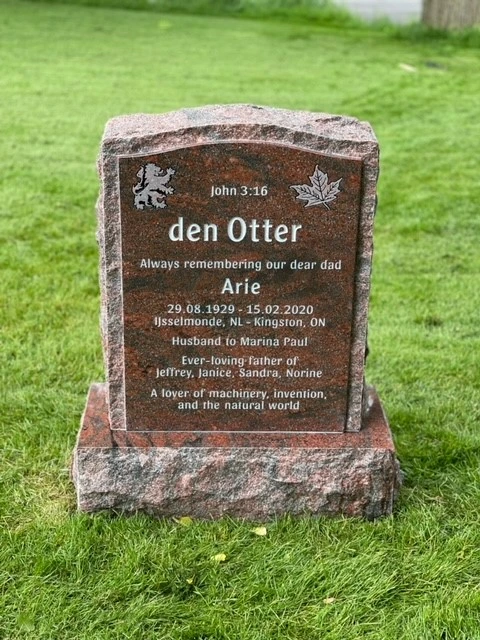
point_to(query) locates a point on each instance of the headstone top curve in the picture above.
(143, 125)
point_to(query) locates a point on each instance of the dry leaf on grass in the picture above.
(185, 521)
(220, 557)
(407, 67)
(259, 531)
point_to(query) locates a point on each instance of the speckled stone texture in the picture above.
(354, 474)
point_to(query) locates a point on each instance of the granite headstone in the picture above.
(236, 247)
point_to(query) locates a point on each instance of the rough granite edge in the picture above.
(211, 483)
(143, 124)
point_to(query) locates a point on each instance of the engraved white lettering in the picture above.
(241, 287)
(177, 232)
(223, 190)
(237, 231)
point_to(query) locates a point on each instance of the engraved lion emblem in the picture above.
(151, 190)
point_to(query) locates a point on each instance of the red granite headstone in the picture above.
(236, 249)
(238, 292)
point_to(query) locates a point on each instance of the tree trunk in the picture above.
(451, 14)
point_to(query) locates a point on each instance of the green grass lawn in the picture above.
(64, 70)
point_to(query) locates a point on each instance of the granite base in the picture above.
(253, 476)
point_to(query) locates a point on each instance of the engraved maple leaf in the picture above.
(320, 192)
